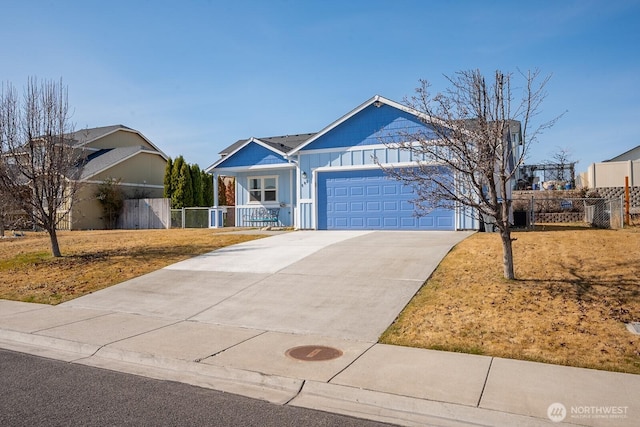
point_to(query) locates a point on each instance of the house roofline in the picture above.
(125, 129)
(376, 100)
(249, 141)
(142, 150)
(613, 159)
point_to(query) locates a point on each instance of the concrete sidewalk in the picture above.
(230, 319)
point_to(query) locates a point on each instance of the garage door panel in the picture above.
(367, 199)
(391, 222)
(373, 206)
(373, 222)
(373, 190)
(390, 206)
(389, 189)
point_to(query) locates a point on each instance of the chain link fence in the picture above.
(594, 211)
(190, 218)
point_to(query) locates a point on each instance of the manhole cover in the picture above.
(634, 327)
(313, 353)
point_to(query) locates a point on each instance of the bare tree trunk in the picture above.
(55, 246)
(507, 254)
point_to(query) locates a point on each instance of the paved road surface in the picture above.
(42, 392)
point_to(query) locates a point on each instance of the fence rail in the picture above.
(595, 211)
(190, 218)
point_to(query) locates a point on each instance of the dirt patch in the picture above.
(575, 291)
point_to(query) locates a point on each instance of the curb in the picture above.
(402, 410)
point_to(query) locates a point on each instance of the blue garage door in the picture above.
(369, 200)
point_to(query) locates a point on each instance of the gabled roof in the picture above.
(277, 144)
(283, 143)
(625, 155)
(376, 101)
(104, 159)
(86, 136)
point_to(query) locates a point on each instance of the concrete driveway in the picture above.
(232, 319)
(341, 284)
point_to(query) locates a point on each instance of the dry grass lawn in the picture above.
(576, 288)
(93, 260)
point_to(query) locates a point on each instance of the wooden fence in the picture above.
(145, 214)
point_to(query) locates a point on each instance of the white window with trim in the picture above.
(263, 189)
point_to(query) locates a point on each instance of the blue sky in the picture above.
(195, 76)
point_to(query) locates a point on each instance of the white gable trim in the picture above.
(249, 141)
(126, 130)
(355, 111)
(255, 167)
(141, 151)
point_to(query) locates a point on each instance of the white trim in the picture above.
(291, 199)
(266, 205)
(128, 184)
(329, 169)
(237, 169)
(249, 141)
(142, 150)
(347, 149)
(124, 130)
(355, 111)
(373, 166)
(262, 189)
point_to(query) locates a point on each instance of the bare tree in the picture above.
(561, 159)
(37, 154)
(476, 136)
(5, 210)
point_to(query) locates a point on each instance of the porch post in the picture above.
(291, 200)
(215, 200)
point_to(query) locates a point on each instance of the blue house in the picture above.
(330, 180)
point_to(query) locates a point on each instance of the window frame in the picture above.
(263, 190)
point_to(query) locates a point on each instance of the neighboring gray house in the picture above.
(329, 179)
(613, 172)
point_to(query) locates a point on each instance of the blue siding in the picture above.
(370, 126)
(369, 200)
(252, 154)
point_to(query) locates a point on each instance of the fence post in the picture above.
(627, 202)
(184, 218)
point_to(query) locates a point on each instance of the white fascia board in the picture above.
(354, 148)
(355, 111)
(374, 166)
(249, 141)
(127, 184)
(237, 169)
(344, 149)
(127, 130)
(156, 153)
(336, 123)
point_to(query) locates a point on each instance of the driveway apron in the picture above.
(341, 284)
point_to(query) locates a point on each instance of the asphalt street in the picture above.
(35, 391)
